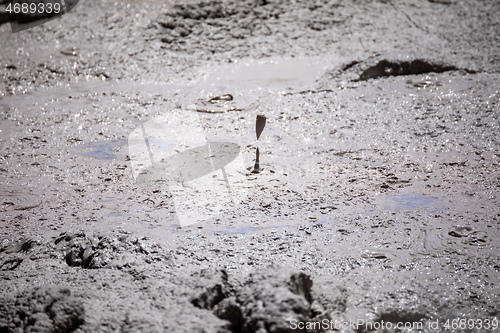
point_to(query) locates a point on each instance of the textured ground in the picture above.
(379, 196)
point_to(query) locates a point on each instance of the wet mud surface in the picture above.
(378, 198)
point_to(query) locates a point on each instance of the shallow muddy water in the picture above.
(335, 163)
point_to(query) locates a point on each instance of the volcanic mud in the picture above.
(376, 209)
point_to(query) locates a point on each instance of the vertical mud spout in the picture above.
(259, 127)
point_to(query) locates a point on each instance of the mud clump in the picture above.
(214, 294)
(267, 302)
(41, 310)
(141, 322)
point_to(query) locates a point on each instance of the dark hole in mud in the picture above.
(386, 68)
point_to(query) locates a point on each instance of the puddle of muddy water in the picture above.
(274, 74)
(408, 201)
(103, 150)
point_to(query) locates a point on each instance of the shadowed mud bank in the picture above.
(386, 68)
(380, 67)
(158, 289)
